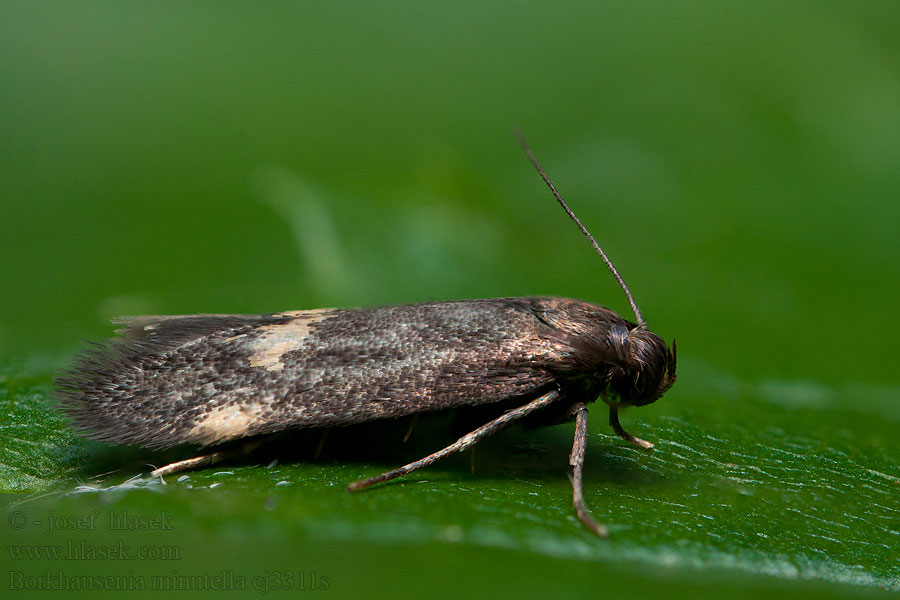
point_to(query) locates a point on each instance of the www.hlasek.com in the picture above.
(81, 550)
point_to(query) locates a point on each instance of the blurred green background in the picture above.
(738, 161)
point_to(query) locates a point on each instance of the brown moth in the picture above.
(208, 379)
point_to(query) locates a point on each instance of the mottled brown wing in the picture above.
(205, 379)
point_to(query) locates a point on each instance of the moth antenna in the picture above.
(634, 307)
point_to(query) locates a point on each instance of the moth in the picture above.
(209, 379)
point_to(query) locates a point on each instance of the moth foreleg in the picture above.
(576, 461)
(466, 441)
(620, 431)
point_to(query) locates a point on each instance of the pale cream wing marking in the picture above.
(275, 341)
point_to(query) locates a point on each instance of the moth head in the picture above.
(643, 366)
(645, 369)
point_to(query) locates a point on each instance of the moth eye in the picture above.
(620, 382)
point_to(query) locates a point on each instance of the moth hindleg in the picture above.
(188, 464)
(204, 460)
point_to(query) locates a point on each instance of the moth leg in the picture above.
(617, 427)
(466, 441)
(188, 464)
(205, 460)
(412, 423)
(576, 461)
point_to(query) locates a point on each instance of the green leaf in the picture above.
(738, 161)
(37, 448)
(740, 483)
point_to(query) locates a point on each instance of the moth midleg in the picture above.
(620, 431)
(466, 441)
(576, 461)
